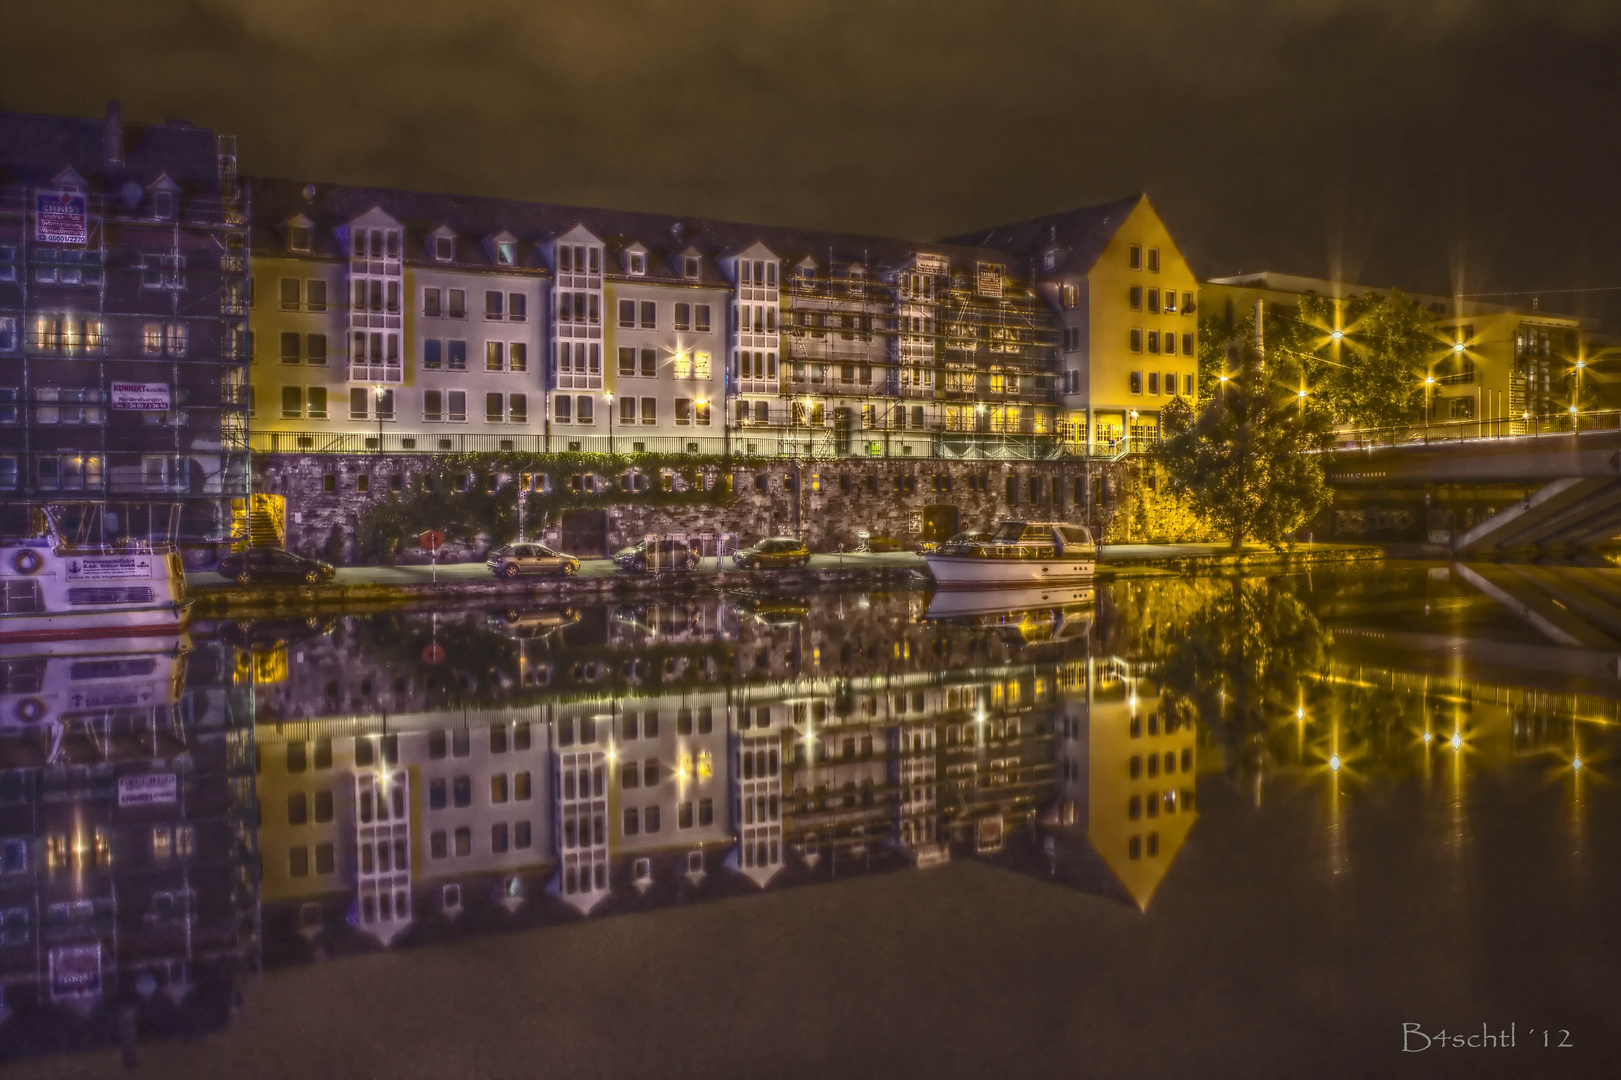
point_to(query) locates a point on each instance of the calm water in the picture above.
(1217, 827)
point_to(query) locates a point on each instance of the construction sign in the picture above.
(62, 217)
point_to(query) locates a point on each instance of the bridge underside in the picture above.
(1563, 514)
(1479, 497)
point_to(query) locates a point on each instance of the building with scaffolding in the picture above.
(393, 321)
(123, 328)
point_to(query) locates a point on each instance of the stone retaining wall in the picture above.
(828, 503)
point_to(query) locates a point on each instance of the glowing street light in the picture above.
(1334, 763)
(1457, 741)
(1337, 335)
(1458, 347)
(1576, 763)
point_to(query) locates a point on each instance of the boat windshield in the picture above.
(1075, 535)
(1008, 532)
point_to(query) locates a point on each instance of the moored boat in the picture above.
(1019, 554)
(52, 590)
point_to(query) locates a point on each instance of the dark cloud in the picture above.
(1444, 145)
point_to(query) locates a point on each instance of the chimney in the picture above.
(113, 139)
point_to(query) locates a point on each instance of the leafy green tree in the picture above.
(1373, 374)
(1242, 462)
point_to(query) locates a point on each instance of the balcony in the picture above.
(376, 373)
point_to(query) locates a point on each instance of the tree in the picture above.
(1372, 376)
(1243, 461)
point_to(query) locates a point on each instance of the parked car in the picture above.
(532, 624)
(662, 555)
(515, 559)
(273, 564)
(776, 551)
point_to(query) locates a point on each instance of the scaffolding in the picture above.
(124, 356)
(944, 361)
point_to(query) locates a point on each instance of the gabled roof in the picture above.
(1082, 233)
(665, 236)
(34, 149)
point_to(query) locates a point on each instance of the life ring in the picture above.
(30, 709)
(26, 561)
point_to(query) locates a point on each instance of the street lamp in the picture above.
(610, 399)
(379, 403)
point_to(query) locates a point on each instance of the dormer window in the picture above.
(444, 248)
(689, 267)
(298, 237)
(163, 205)
(637, 263)
(808, 272)
(506, 252)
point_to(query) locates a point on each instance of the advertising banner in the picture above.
(62, 217)
(110, 568)
(149, 789)
(141, 396)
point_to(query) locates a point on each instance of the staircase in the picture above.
(266, 524)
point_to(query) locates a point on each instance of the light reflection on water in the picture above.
(266, 793)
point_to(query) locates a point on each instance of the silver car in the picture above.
(515, 559)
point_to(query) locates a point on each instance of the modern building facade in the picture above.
(1494, 367)
(123, 327)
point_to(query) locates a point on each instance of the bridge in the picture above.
(1543, 490)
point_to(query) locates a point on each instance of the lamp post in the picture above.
(1429, 385)
(610, 398)
(379, 403)
(1575, 417)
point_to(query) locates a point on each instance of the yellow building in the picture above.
(1494, 369)
(1127, 314)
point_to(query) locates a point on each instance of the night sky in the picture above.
(1449, 145)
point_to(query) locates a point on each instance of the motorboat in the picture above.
(1019, 554)
(54, 590)
(958, 604)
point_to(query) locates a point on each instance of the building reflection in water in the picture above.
(422, 775)
(350, 784)
(127, 868)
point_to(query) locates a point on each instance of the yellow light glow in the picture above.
(1458, 347)
(1575, 763)
(609, 395)
(1300, 714)
(1573, 410)
(1301, 394)
(1457, 740)
(1337, 335)
(1334, 763)
(1429, 380)
(1428, 736)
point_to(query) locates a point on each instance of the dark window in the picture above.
(296, 760)
(298, 862)
(298, 810)
(323, 806)
(462, 789)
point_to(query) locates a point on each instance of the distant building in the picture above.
(123, 327)
(1492, 362)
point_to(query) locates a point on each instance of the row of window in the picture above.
(78, 472)
(644, 315)
(367, 749)
(683, 365)
(519, 835)
(451, 355)
(1170, 384)
(452, 303)
(1157, 801)
(1134, 258)
(646, 725)
(1157, 342)
(438, 406)
(1135, 766)
(1135, 296)
(504, 787)
(71, 335)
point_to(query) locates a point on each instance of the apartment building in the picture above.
(1493, 366)
(123, 327)
(1126, 314)
(404, 321)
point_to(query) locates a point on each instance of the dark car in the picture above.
(778, 551)
(273, 564)
(515, 559)
(658, 555)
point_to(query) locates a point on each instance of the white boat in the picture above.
(968, 603)
(98, 682)
(51, 590)
(1019, 554)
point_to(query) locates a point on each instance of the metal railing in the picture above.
(1488, 429)
(776, 442)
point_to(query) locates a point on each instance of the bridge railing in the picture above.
(1452, 431)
